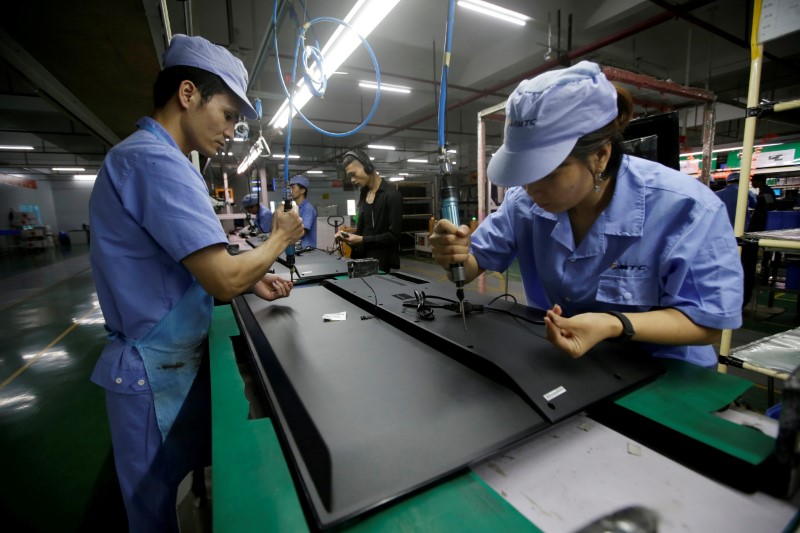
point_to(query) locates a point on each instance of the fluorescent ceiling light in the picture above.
(452, 151)
(403, 174)
(313, 172)
(259, 147)
(396, 178)
(68, 169)
(380, 147)
(385, 87)
(238, 139)
(84, 177)
(719, 150)
(282, 156)
(495, 11)
(15, 147)
(363, 18)
(417, 160)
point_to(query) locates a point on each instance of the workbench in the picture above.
(560, 479)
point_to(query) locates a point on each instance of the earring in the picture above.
(597, 179)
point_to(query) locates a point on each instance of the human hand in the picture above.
(272, 287)
(350, 238)
(288, 223)
(449, 245)
(578, 334)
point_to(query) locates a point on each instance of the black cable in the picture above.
(425, 310)
(373, 291)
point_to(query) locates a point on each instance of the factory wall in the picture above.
(11, 197)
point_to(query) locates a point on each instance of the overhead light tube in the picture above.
(495, 11)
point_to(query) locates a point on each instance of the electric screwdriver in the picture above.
(450, 212)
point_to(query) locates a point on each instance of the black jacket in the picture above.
(380, 227)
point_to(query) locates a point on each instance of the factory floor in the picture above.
(55, 450)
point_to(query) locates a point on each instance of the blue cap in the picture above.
(250, 200)
(545, 117)
(299, 180)
(733, 176)
(198, 52)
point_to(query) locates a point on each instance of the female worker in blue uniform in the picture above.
(158, 256)
(612, 245)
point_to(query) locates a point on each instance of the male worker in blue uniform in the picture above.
(263, 216)
(158, 258)
(299, 188)
(730, 196)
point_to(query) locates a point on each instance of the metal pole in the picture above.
(750, 123)
(165, 21)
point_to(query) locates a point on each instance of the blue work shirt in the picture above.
(149, 209)
(264, 219)
(309, 215)
(663, 241)
(730, 196)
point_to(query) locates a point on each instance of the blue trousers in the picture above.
(150, 470)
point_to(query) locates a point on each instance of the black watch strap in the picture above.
(627, 328)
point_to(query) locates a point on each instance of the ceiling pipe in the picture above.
(547, 65)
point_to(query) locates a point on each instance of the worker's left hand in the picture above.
(272, 287)
(578, 334)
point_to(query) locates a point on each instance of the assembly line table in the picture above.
(559, 480)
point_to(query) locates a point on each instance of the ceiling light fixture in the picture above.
(313, 172)
(259, 148)
(495, 11)
(381, 147)
(396, 178)
(84, 177)
(281, 156)
(417, 160)
(363, 18)
(719, 150)
(385, 87)
(15, 147)
(68, 169)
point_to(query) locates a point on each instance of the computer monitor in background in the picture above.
(655, 137)
(778, 192)
(238, 223)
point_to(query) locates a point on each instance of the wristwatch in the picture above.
(627, 328)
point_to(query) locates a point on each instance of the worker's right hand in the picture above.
(449, 245)
(288, 224)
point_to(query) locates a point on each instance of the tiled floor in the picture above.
(55, 452)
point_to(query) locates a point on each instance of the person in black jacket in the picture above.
(765, 201)
(380, 214)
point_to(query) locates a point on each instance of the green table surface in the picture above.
(685, 399)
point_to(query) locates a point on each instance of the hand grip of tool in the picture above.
(287, 206)
(450, 212)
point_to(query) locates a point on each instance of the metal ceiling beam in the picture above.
(681, 11)
(33, 71)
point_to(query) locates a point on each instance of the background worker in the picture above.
(380, 214)
(730, 196)
(263, 216)
(299, 188)
(765, 202)
(158, 259)
(599, 232)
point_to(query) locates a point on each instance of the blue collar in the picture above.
(152, 126)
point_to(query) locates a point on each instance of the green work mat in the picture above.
(253, 488)
(685, 398)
